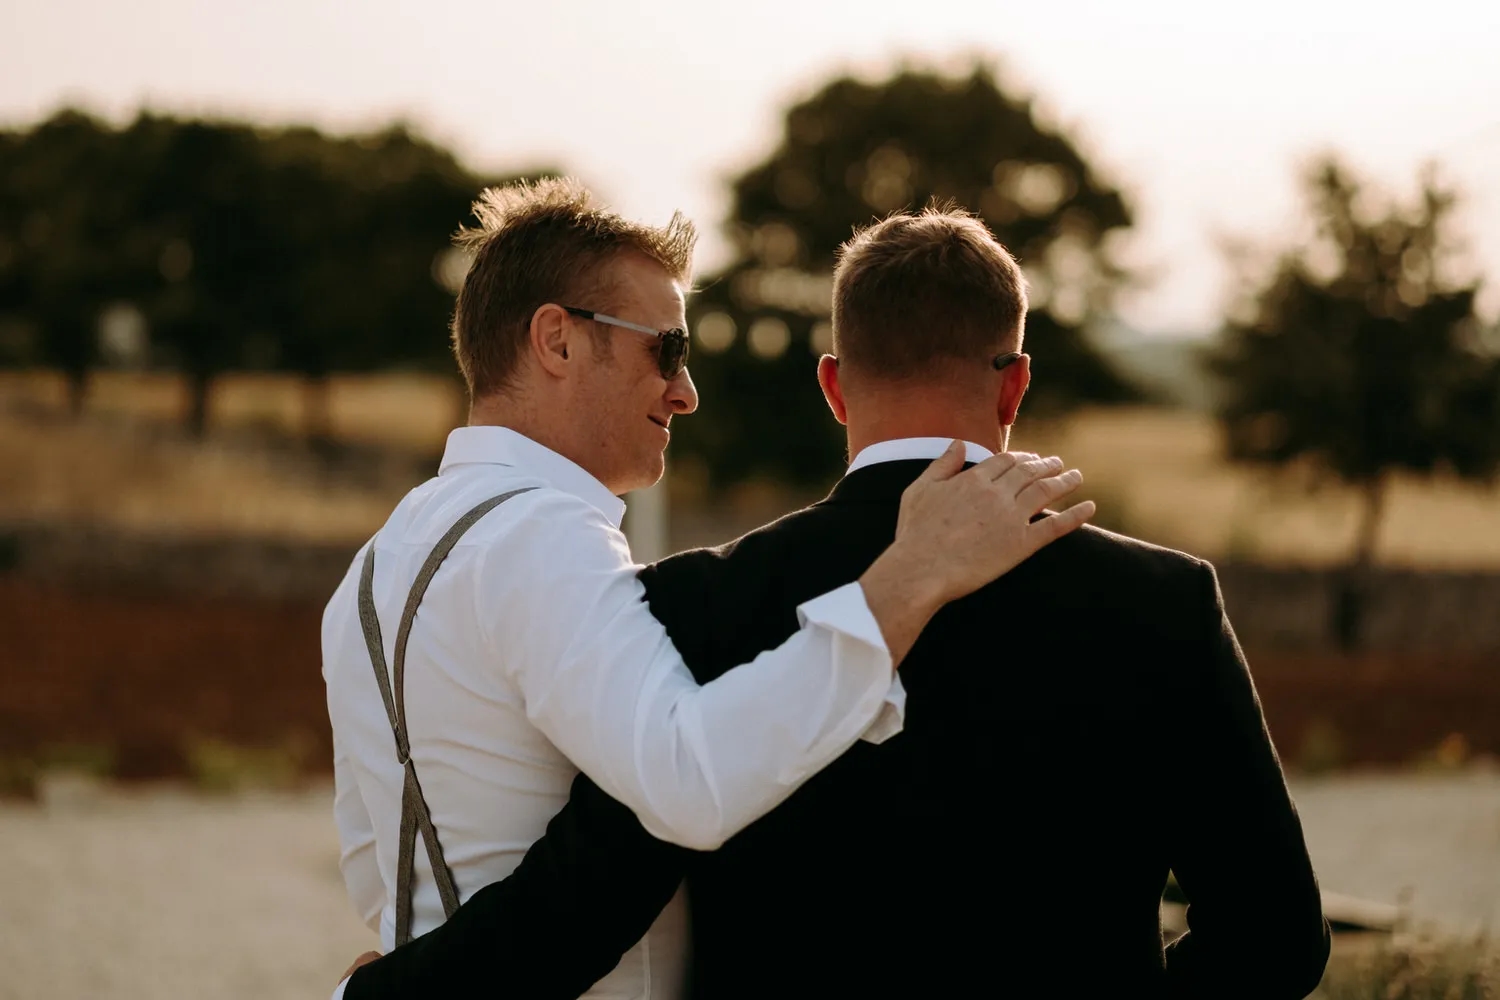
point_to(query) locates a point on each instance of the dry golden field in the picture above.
(1155, 473)
(1160, 475)
(126, 464)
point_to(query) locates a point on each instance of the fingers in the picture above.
(947, 465)
(1048, 491)
(1050, 529)
(1026, 471)
(999, 464)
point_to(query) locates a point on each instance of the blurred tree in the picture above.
(278, 249)
(202, 201)
(368, 277)
(60, 212)
(1358, 358)
(292, 250)
(851, 153)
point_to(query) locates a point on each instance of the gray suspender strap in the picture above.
(414, 814)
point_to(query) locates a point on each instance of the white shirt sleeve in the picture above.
(356, 841)
(569, 623)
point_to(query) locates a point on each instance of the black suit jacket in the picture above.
(1073, 731)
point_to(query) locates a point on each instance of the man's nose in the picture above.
(682, 395)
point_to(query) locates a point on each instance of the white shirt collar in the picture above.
(489, 445)
(919, 447)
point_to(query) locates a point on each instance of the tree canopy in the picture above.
(239, 247)
(851, 153)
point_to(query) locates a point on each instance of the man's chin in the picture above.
(647, 475)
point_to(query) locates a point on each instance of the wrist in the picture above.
(902, 597)
(911, 574)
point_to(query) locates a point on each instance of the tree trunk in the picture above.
(68, 344)
(317, 409)
(200, 385)
(1354, 587)
(78, 390)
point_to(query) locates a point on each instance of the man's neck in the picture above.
(521, 418)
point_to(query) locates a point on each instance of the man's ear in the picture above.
(1014, 381)
(833, 392)
(553, 339)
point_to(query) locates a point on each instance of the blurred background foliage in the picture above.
(1361, 353)
(212, 246)
(1360, 356)
(204, 247)
(856, 151)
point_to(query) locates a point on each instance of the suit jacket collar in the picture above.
(884, 484)
(879, 483)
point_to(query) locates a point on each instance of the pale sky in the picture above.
(1201, 111)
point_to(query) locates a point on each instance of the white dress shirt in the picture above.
(900, 449)
(534, 654)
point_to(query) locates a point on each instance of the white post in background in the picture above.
(646, 522)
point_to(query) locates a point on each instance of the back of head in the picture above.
(543, 242)
(917, 296)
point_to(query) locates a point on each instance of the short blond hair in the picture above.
(917, 289)
(539, 242)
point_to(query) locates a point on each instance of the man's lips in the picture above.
(658, 421)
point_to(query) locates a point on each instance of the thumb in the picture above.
(947, 465)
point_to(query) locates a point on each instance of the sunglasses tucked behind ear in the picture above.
(999, 362)
(671, 345)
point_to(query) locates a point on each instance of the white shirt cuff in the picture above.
(892, 717)
(846, 611)
(338, 994)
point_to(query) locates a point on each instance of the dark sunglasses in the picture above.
(671, 345)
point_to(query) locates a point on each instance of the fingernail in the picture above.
(1054, 462)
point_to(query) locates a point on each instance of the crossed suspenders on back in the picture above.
(414, 813)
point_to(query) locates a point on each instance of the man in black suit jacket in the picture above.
(1015, 838)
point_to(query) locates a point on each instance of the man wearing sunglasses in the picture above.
(1014, 839)
(493, 639)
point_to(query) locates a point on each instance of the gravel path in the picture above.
(159, 894)
(1431, 839)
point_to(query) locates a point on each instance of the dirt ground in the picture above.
(159, 894)
(1428, 841)
(149, 894)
